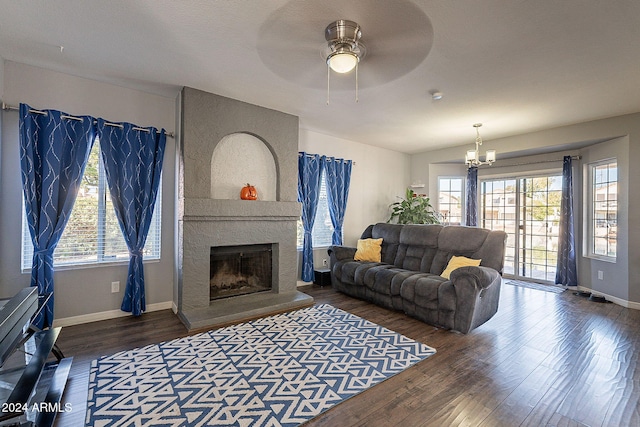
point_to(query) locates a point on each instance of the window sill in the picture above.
(608, 259)
(316, 247)
(124, 262)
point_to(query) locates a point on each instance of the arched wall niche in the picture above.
(239, 159)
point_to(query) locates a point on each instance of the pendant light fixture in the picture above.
(472, 158)
(345, 49)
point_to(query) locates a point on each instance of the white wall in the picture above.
(1, 99)
(621, 136)
(81, 292)
(615, 281)
(377, 179)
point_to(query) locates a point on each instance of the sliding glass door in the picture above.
(528, 209)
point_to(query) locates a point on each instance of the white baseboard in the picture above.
(111, 314)
(620, 301)
(623, 302)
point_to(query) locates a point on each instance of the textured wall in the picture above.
(208, 118)
(206, 222)
(241, 159)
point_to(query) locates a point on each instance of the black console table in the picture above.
(33, 370)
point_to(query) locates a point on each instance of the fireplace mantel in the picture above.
(221, 209)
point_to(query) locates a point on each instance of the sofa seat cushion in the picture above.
(386, 279)
(420, 297)
(353, 272)
(423, 290)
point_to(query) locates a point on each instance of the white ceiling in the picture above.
(514, 65)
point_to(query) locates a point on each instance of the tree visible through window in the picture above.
(92, 234)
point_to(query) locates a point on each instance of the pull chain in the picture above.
(328, 75)
(357, 81)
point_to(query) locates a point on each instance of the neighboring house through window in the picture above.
(92, 235)
(602, 220)
(450, 199)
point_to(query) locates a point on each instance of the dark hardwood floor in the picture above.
(543, 360)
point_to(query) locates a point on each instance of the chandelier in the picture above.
(472, 158)
(344, 49)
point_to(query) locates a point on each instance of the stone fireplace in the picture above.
(224, 145)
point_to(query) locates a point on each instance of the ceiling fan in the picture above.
(390, 38)
(345, 49)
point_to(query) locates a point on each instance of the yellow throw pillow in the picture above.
(368, 250)
(457, 262)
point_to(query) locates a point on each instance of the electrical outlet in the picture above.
(600, 275)
(115, 287)
(324, 262)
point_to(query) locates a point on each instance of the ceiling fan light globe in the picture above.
(342, 62)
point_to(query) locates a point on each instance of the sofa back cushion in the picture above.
(428, 248)
(418, 246)
(470, 242)
(457, 241)
(390, 235)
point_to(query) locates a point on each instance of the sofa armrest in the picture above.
(337, 253)
(483, 277)
(477, 293)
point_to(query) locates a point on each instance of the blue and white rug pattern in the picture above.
(276, 371)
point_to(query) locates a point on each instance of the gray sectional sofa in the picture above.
(408, 276)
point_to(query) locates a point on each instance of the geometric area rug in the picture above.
(280, 370)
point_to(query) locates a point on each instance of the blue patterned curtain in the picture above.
(566, 271)
(53, 154)
(309, 173)
(338, 175)
(471, 197)
(133, 161)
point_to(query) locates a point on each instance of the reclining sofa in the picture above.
(408, 276)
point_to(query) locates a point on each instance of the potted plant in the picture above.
(413, 209)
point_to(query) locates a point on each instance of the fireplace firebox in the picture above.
(240, 270)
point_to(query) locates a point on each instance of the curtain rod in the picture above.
(116, 125)
(495, 165)
(353, 162)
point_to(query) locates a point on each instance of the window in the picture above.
(501, 216)
(92, 235)
(527, 208)
(450, 198)
(603, 212)
(322, 226)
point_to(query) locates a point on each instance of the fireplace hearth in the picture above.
(240, 270)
